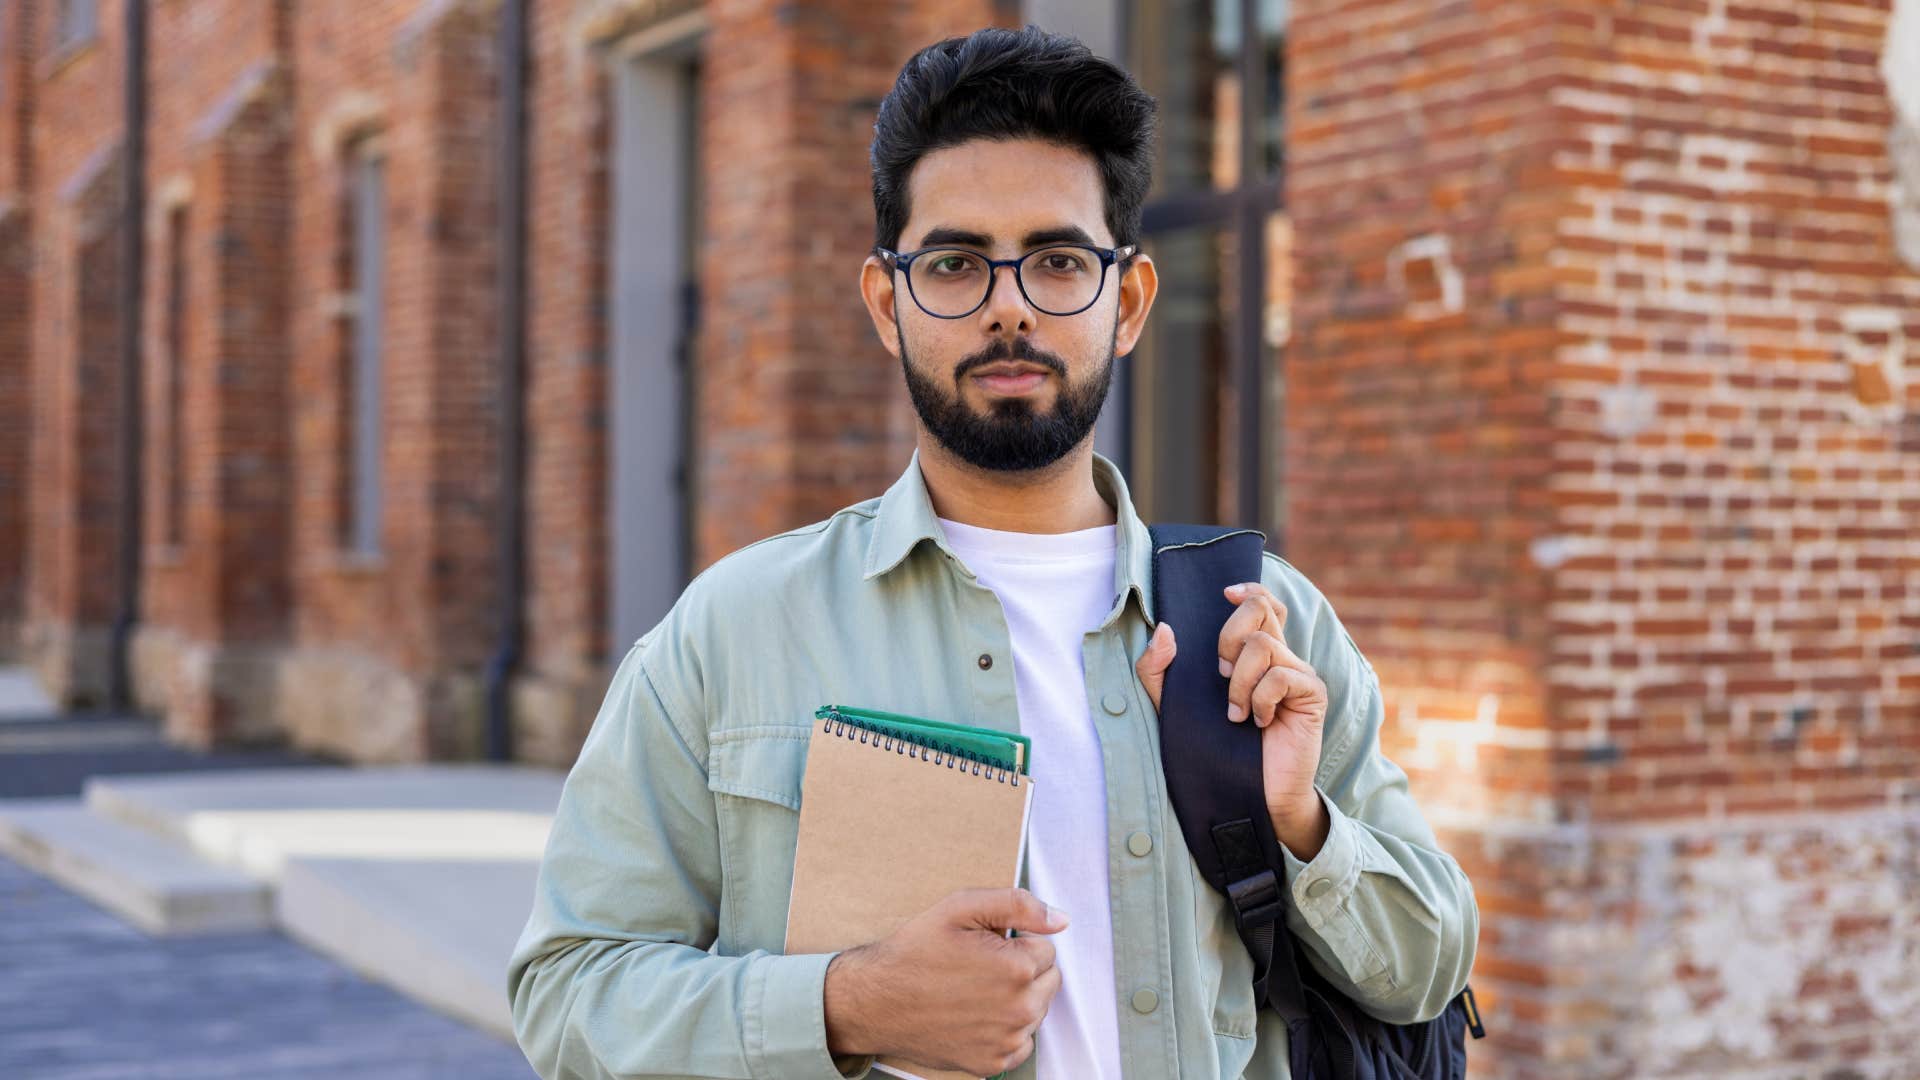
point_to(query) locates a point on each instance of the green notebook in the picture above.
(1000, 749)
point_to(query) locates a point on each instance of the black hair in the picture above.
(999, 83)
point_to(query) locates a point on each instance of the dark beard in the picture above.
(1010, 438)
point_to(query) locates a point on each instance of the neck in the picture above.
(1056, 499)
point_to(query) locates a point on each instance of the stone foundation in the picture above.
(551, 716)
(347, 704)
(206, 694)
(1758, 949)
(74, 663)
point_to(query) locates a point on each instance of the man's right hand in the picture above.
(949, 989)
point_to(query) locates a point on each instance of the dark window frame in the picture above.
(1243, 210)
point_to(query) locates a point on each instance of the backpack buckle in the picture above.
(1256, 899)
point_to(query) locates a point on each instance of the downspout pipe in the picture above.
(132, 426)
(512, 360)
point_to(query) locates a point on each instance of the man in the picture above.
(1003, 580)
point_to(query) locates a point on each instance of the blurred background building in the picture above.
(373, 373)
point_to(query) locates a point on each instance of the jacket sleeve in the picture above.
(612, 976)
(1389, 919)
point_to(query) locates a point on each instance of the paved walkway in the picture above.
(83, 996)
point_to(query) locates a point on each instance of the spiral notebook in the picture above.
(895, 813)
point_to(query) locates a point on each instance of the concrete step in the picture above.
(440, 932)
(419, 877)
(159, 886)
(255, 820)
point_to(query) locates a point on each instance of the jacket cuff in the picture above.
(786, 1026)
(1318, 888)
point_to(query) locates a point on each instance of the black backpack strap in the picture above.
(1212, 765)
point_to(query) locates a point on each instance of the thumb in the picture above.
(1006, 909)
(1152, 665)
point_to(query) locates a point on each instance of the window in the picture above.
(364, 237)
(1206, 384)
(174, 331)
(78, 22)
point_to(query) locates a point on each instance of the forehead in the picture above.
(1004, 188)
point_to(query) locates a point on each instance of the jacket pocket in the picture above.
(754, 774)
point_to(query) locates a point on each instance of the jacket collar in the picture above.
(906, 517)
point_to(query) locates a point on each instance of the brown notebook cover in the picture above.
(885, 834)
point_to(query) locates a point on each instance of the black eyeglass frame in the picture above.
(903, 261)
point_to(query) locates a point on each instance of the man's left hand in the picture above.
(1280, 693)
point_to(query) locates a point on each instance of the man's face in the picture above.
(1003, 199)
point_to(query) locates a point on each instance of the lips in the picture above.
(1004, 369)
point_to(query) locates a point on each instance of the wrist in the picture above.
(845, 1004)
(1304, 832)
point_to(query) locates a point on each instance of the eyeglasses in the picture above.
(953, 283)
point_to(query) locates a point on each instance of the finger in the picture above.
(1283, 690)
(1007, 909)
(1248, 619)
(1257, 656)
(1152, 666)
(1049, 984)
(1269, 692)
(1038, 950)
(1257, 609)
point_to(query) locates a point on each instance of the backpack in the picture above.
(1214, 781)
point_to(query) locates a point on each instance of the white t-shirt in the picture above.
(1054, 588)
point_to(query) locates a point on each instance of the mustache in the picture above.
(1018, 349)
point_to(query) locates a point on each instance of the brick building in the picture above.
(1582, 377)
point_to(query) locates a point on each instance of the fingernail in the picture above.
(1056, 919)
(1226, 669)
(1234, 713)
(1236, 590)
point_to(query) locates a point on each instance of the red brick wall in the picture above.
(16, 114)
(217, 145)
(1424, 201)
(802, 412)
(566, 414)
(15, 415)
(423, 77)
(74, 463)
(1738, 469)
(1627, 528)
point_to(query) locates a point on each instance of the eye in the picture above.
(950, 265)
(1063, 261)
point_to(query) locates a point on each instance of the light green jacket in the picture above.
(653, 948)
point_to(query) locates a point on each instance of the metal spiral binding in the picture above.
(943, 754)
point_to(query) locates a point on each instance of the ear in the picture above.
(1138, 286)
(876, 289)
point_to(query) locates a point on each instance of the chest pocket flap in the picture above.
(765, 762)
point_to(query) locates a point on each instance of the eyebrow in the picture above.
(1060, 234)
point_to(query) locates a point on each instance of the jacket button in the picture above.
(985, 661)
(1139, 843)
(1319, 887)
(1145, 1000)
(1115, 702)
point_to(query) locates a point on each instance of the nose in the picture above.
(1006, 309)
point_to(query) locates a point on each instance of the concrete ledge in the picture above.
(256, 820)
(158, 886)
(440, 932)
